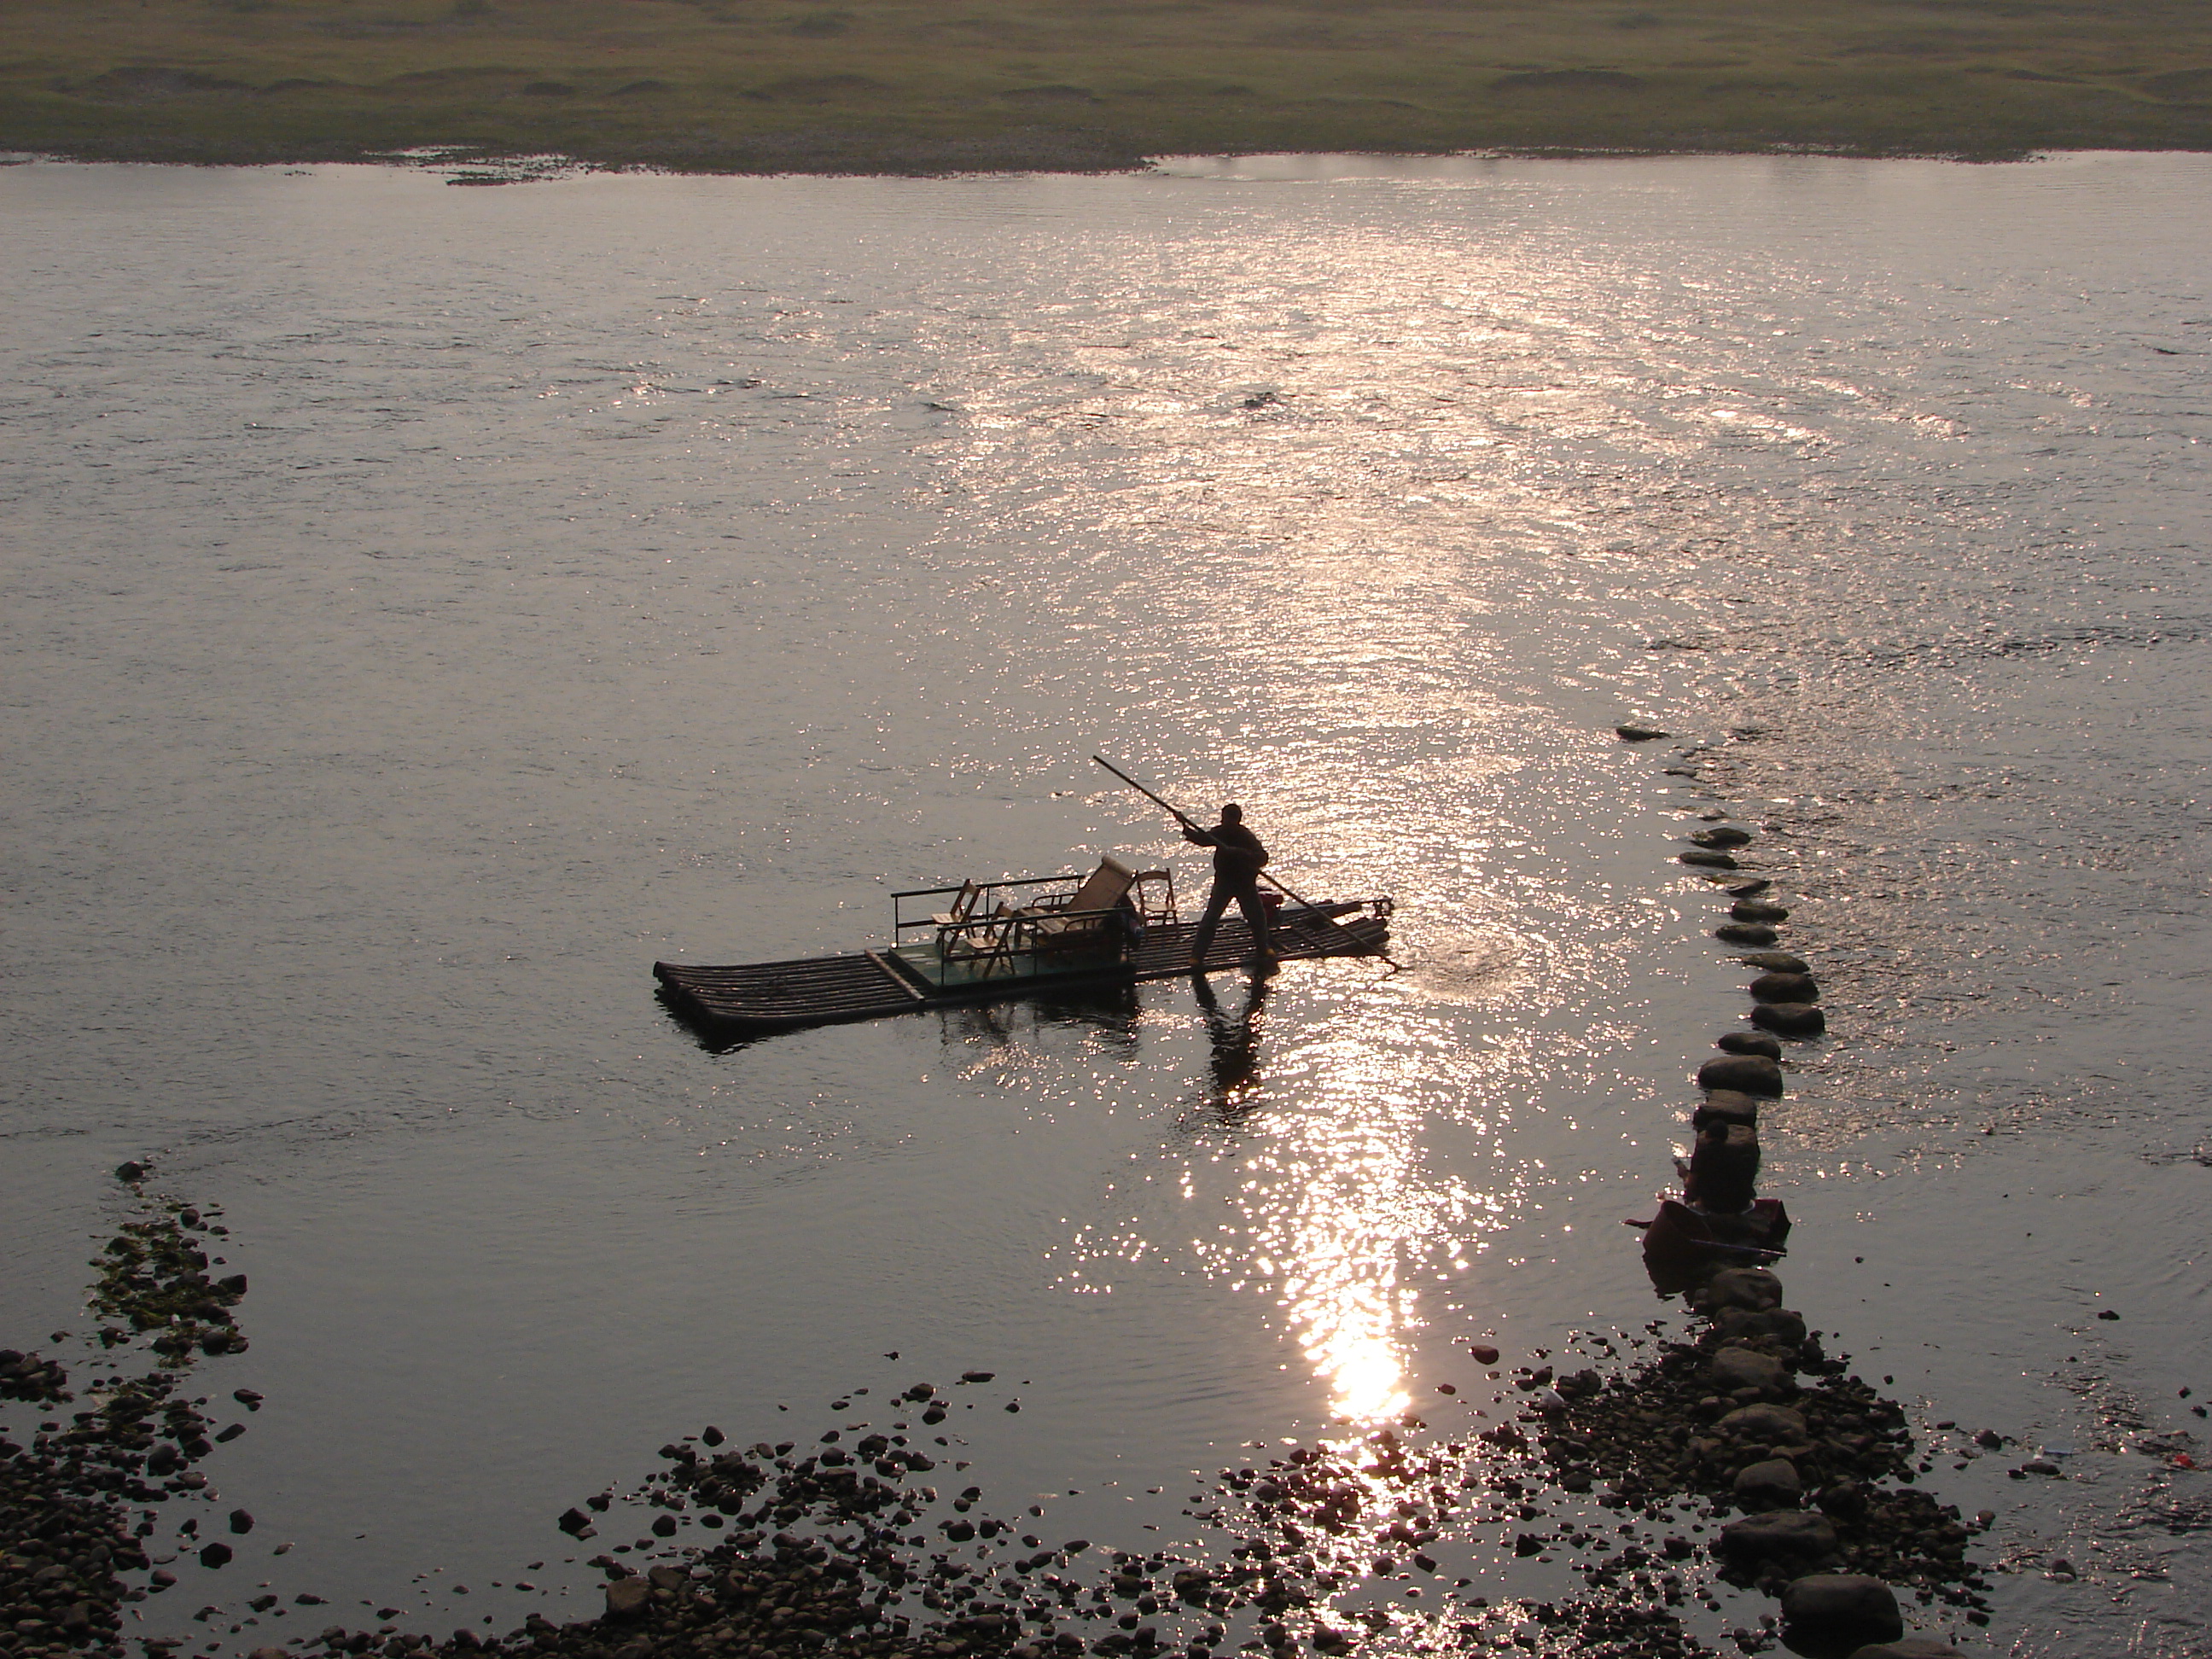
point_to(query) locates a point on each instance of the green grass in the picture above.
(929, 85)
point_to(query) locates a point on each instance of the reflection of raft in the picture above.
(1681, 1245)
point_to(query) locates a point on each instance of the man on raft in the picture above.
(1238, 857)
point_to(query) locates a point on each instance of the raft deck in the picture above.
(779, 996)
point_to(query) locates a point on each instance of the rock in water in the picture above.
(129, 1172)
(627, 1597)
(1744, 933)
(1722, 836)
(1706, 859)
(1746, 1368)
(1785, 988)
(1756, 910)
(1836, 1613)
(1747, 1323)
(1724, 1168)
(1769, 1426)
(1726, 1106)
(241, 1521)
(1774, 962)
(216, 1555)
(1754, 1289)
(1844, 1500)
(1634, 733)
(1747, 1074)
(1913, 1647)
(1788, 1538)
(1749, 1043)
(1791, 1019)
(1772, 1485)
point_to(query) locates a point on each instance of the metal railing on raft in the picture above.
(1152, 893)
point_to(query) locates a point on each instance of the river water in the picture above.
(425, 607)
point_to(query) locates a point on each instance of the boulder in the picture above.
(1723, 835)
(1754, 1288)
(1743, 933)
(1756, 885)
(1785, 988)
(1844, 1500)
(1787, 1538)
(1767, 1425)
(1774, 962)
(1743, 1324)
(1830, 1615)
(1913, 1647)
(1704, 858)
(1772, 1485)
(1749, 1043)
(628, 1597)
(1791, 1019)
(1757, 910)
(1747, 1074)
(1724, 1168)
(1635, 733)
(1726, 1106)
(1732, 1368)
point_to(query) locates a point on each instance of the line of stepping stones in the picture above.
(1827, 1615)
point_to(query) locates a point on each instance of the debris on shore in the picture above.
(66, 1538)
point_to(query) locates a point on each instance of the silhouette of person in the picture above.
(1238, 857)
(1234, 1039)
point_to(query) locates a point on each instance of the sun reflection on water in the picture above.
(1340, 1212)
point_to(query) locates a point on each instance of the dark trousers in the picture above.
(1246, 898)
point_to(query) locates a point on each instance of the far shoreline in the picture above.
(467, 167)
(905, 87)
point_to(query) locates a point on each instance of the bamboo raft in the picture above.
(948, 965)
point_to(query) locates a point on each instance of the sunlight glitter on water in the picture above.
(1341, 1215)
(432, 672)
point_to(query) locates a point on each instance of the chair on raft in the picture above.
(1087, 918)
(983, 944)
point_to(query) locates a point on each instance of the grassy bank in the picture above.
(927, 85)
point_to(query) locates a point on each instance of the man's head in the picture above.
(1232, 813)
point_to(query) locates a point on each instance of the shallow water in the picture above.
(427, 607)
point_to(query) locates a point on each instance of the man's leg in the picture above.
(1256, 917)
(1217, 902)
